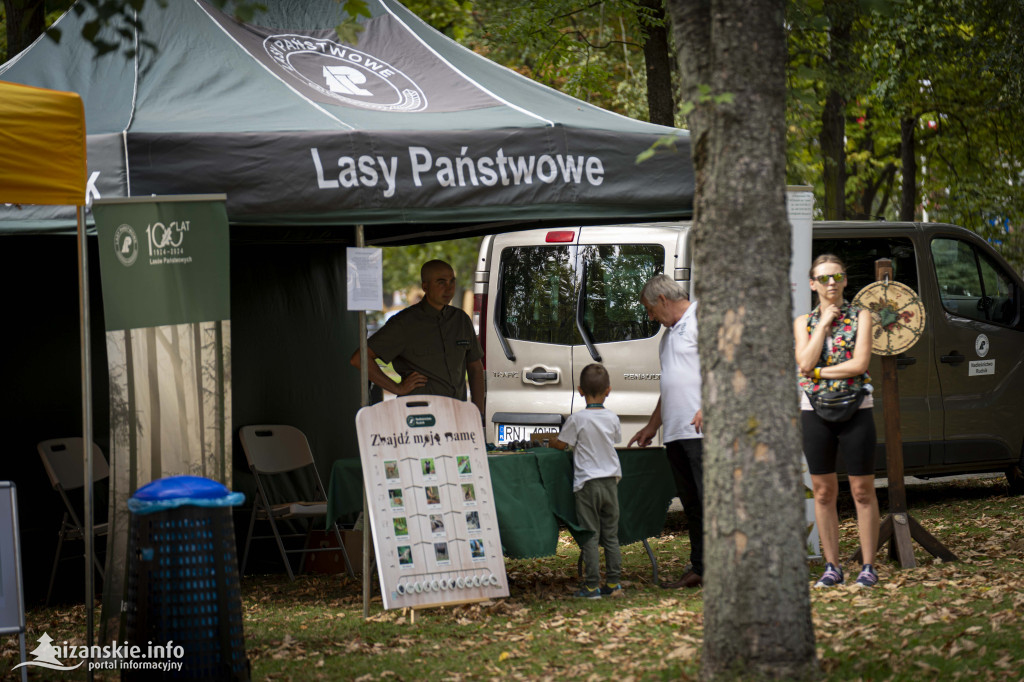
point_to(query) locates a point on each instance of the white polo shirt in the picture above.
(680, 377)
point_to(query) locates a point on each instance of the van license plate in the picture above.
(508, 433)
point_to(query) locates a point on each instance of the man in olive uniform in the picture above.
(431, 344)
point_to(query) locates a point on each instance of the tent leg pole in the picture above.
(364, 393)
(87, 436)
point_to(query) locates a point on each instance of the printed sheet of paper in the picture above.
(428, 489)
(365, 278)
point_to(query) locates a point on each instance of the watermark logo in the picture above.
(46, 656)
(167, 657)
(345, 74)
(126, 245)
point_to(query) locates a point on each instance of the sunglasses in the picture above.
(837, 278)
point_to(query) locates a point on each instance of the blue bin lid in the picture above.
(195, 487)
(177, 491)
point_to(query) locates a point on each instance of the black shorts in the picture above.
(856, 438)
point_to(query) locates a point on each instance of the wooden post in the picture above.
(898, 527)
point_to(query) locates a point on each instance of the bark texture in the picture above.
(658, 62)
(833, 116)
(25, 21)
(757, 617)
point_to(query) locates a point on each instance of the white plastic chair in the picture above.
(62, 459)
(276, 449)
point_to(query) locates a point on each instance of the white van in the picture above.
(551, 301)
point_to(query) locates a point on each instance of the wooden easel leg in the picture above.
(901, 540)
(929, 541)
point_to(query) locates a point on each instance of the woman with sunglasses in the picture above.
(833, 349)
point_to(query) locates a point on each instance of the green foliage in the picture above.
(451, 17)
(402, 263)
(955, 66)
(592, 51)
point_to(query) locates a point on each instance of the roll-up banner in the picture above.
(164, 267)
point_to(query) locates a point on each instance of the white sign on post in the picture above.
(365, 278)
(431, 504)
(800, 210)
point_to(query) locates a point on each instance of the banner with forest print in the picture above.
(164, 266)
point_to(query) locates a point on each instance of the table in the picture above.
(533, 496)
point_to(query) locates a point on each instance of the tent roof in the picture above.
(407, 130)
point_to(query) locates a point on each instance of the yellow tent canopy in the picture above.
(42, 146)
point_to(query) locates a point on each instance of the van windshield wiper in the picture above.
(580, 305)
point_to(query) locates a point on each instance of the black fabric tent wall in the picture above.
(290, 348)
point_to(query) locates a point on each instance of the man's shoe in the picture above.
(611, 590)
(832, 576)
(867, 577)
(588, 593)
(690, 579)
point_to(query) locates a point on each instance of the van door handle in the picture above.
(953, 358)
(905, 362)
(542, 376)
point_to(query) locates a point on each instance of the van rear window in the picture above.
(538, 294)
(539, 286)
(615, 276)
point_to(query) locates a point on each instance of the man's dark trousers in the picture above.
(686, 457)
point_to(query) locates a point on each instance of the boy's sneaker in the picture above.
(588, 593)
(833, 576)
(611, 590)
(867, 577)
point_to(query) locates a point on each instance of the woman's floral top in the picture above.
(838, 347)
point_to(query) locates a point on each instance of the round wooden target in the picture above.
(897, 314)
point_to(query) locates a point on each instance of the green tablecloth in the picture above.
(345, 491)
(533, 495)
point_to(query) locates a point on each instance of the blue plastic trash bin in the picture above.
(183, 588)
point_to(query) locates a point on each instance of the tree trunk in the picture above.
(833, 116)
(691, 21)
(660, 105)
(757, 616)
(153, 380)
(25, 21)
(908, 203)
(197, 361)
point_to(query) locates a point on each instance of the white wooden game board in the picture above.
(431, 504)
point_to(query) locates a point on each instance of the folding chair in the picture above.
(277, 450)
(62, 459)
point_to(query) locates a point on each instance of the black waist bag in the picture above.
(837, 406)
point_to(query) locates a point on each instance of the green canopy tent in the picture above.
(406, 134)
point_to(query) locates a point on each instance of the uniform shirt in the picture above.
(592, 433)
(438, 344)
(680, 378)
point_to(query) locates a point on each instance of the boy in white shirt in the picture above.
(592, 433)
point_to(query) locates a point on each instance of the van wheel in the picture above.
(1015, 478)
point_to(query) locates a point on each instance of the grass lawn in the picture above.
(962, 620)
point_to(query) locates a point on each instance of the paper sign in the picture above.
(365, 278)
(980, 368)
